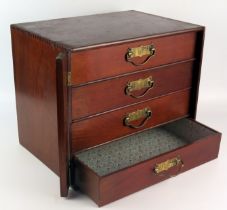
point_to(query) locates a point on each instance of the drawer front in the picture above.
(110, 94)
(118, 123)
(201, 144)
(98, 63)
(136, 178)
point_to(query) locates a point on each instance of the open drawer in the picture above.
(116, 169)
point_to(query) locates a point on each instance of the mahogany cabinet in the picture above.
(108, 101)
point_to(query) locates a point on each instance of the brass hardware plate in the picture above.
(166, 165)
(69, 78)
(139, 84)
(148, 50)
(142, 113)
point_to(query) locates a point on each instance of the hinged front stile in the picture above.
(62, 81)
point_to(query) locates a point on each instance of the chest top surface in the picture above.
(93, 30)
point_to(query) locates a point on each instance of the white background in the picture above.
(25, 183)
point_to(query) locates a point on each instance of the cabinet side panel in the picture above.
(35, 87)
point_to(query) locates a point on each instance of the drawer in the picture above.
(98, 63)
(130, 89)
(115, 124)
(114, 170)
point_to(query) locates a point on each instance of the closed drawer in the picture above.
(98, 63)
(110, 94)
(114, 170)
(115, 124)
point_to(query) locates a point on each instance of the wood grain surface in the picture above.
(96, 64)
(131, 179)
(109, 126)
(110, 94)
(35, 86)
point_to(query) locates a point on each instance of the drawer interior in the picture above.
(116, 155)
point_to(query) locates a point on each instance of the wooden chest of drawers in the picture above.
(108, 102)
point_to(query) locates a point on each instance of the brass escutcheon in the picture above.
(139, 84)
(168, 164)
(148, 50)
(139, 114)
(141, 51)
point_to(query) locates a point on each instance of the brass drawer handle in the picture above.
(161, 169)
(133, 116)
(147, 83)
(148, 50)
